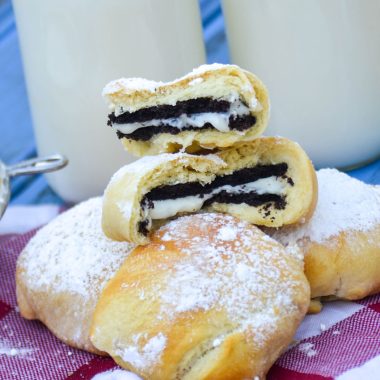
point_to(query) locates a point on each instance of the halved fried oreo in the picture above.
(214, 106)
(269, 181)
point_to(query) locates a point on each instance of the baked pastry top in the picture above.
(341, 241)
(62, 270)
(211, 297)
(269, 181)
(214, 106)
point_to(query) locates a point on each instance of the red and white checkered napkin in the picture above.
(342, 342)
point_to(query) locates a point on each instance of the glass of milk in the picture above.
(71, 49)
(321, 62)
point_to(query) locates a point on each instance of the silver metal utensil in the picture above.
(33, 166)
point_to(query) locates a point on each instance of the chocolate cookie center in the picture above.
(193, 114)
(255, 186)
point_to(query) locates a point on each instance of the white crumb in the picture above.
(308, 349)
(116, 374)
(8, 350)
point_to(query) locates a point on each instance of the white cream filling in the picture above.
(167, 208)
(170, 207)
(219, 120)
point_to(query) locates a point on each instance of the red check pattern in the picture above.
(28, 351)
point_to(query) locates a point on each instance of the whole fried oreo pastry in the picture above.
(214, 106)
(269, 181)
(341, 242)
(211, 297)
(62, 270)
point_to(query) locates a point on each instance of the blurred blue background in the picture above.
(16, 132)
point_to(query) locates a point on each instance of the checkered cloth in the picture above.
(342, 342)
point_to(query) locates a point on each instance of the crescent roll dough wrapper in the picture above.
(214, 106)
(62, 270)
(211, 297)
(341, 241)
(269, 181)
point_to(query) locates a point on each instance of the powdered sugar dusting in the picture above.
(125, 208)
(210, 67)
(227, 233)
(295, 251)
(130, 85)
(196, 81)
(148, 163)
(142, 165)
(143, 357)
(344, 204)
(71, 253)
(230, 271)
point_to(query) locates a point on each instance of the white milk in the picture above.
(72, 48)
(321, 62)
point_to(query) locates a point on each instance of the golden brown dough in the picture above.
(341, 242)
(269, 181)
(211, 297)
(244, 92)
(62, 270)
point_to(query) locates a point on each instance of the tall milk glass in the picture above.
(72, 48)
(321, 62)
